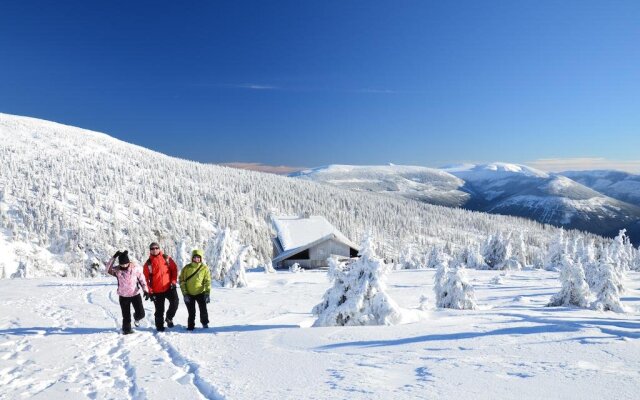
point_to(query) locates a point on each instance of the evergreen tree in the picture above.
(607, 287)
(358, 293)
(575, 290)
(454, 290)
(236, 278)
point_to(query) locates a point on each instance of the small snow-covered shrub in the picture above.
(575, 290)
(295, 268)
(268, 267)
(424, 303)
(21, 272)
(358, 294)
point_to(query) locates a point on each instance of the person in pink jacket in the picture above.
(130, 282)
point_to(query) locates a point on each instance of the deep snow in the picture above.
(59, 339)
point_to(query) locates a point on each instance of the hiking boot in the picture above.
(190, 328)
(127, 331)
(205, 326)
(169, 323)
(160, 329)
(137, 322)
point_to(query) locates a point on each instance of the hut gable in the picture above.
(308, 241)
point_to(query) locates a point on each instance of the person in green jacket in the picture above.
(195, 283)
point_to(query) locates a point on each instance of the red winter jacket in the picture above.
(160, 273)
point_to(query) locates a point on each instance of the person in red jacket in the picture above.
(161, 273)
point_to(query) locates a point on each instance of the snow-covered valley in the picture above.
(59, 339)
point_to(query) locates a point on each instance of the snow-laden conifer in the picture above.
(557, 248)
(182, 255)
(358, 292)
(575, 290)
(222, 253)
(497, 251)
(236, 277)
(452, 287)
(436, 257)
(411, 258)
(607, 286)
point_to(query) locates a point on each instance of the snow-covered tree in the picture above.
(182, 257)
(471, 257)
(236, 277)
(222, 253)
(620, 251)
(295, 268)
(607, 286)
(453, 289)
(497, 251)
(436, 257)
(575, 290)
(21, 272)
(441, 276)
(520, 251)
(557, 248)
(411, 258)
(358, 294)
(586, 255)
(268, 267)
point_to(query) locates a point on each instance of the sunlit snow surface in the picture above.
(59, 339)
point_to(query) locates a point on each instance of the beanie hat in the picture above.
(154, 244)
(197, 252)
(123, 258)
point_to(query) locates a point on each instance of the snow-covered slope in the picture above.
(429, 185)
(499, 188)
(549, 198)
(59, 340)
(617, 184)
(70, 197)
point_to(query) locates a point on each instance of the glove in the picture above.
(146, 295)
(207, 299)
(117, 254)
(187, 299)
(172, 286)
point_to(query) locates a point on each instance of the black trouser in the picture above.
(174, 300)
(125, 306)
(191, 301)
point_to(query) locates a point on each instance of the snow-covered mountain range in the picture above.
(70, 197)
(600, 202)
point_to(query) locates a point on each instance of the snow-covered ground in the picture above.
(59, 339)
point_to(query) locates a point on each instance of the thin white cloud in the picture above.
(257, 87)
(584, 163)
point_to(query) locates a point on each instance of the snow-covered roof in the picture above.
(295, 232)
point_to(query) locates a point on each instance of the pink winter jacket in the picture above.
(130, 280)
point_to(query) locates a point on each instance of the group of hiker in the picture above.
(158, 281)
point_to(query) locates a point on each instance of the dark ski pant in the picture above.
(125, 306)
(191, 301)
(174, 300)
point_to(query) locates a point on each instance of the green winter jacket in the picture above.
(198, 283)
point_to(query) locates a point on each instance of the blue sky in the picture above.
(310, 83)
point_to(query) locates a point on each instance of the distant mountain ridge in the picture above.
(600, 202)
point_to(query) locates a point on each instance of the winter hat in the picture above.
(123, 258)
(154, 244)
(197, 252)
